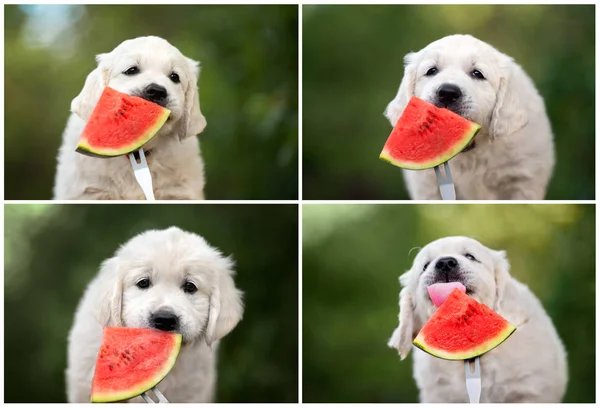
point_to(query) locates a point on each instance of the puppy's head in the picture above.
(151, 68)
(170, 280)
(468, 77)
(483, 271)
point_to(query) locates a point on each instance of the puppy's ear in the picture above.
(96, 81)
(226, 307)
(405, 92)
(502, 278)
(509, 114)
(402, 337)
(109, 293)
(508, 296)
(192, 121)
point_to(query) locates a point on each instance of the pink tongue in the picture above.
(438, 292)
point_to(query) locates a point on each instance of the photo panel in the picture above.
(228, 74)
(531, 92)
(533, 265)
(207, 272)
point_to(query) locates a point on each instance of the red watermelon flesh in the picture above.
(120, 124)
(131, 361)
(462, 328)
(426, 136)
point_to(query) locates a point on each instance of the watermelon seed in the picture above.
(125, 358)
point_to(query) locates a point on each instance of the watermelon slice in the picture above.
(426, 136)
(120, 124)
(462, 328)
(131, 361)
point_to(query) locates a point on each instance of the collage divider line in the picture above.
(300, 10)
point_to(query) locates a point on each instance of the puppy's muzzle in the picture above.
(164, 320)
(449, 94)
(155, 93)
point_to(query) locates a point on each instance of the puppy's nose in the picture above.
(448, 93)
(446, 264)
(155, 93)
(165, 321)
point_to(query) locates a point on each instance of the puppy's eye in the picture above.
(131, 71)
(143, 283)
(477, 74)
(189, 287)
(432, 71)
(174, 77)
(425, 266)
(470, 257)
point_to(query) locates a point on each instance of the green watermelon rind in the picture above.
(143, 386)
(411, 165)
(85, 148)
(476, 351)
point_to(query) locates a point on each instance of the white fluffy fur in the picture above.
(513, 155)
(530, 366)
(169, 258)
(175, 163)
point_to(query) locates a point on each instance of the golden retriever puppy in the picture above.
(168, 280)
(151, 68)
(530, 366)
(512, 156)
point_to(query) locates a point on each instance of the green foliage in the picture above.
(53, 251)
(353, 63)
(353, 255)
(248, 88)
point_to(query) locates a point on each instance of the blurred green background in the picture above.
(353, 255)
(52, 252)
(248, 87)
(352, 60)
